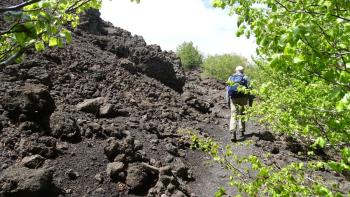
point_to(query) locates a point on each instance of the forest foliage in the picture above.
(39, 24)
(222, 66)
(304, 60)
(217, 66)
(190, 56)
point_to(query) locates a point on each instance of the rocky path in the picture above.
(209, 175)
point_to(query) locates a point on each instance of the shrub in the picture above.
(189, 55)
(222, 66)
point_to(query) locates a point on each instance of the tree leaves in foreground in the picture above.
(190, 56)
(39, 23)
(304, 51)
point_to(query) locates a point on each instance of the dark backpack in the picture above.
(233, 83)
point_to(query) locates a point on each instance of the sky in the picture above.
(169, 23)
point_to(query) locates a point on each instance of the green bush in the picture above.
(39, 24)
(222, 66)
(305, 66)
(189, 55)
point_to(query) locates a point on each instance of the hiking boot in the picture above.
(234, 137)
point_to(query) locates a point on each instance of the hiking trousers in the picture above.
(237, 108)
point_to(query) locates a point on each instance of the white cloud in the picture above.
(168, 23)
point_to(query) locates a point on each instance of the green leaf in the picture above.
(67, 35)
(74, 24)
(319, 164)
(288, 49)
(218, 4)
(298, 59)
(346, 154)
(335, 166)
(39, 46)
(21, 37)
(344, 77)
(45, 38)
(45, 4)
(319, 143)
(348, 65)
(53, 41)
(323, 191)
(240, 30)
(220, 192)
(60, 43)
(344, 103)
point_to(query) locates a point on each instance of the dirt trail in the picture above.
(210, 175)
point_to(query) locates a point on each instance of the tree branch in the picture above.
(311, 12)
(332, 82)
(19, 6)
(230, 165)
(337, 54)
(13, 58)
(9, 30)
(333, 112)
(7, 52)
(325, 35)
(75, 5)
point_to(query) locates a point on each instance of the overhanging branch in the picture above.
(311, 12)
(15, 56)
(76, 5)
(18, 7)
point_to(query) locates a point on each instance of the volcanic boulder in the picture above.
(30, 102)
(115, 169)
(21, 181)
(34, 161)
(91, 105)
(64, 126)
(140, 179)
(44, 146)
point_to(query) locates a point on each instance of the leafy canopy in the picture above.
(39, 23)
(305, 57)
(222, 66)
(190, 56)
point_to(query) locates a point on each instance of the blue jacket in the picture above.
(227, 98)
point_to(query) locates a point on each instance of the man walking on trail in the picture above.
(237, 99)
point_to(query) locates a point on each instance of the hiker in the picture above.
(237, 100)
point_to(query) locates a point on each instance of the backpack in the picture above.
(233, 83)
